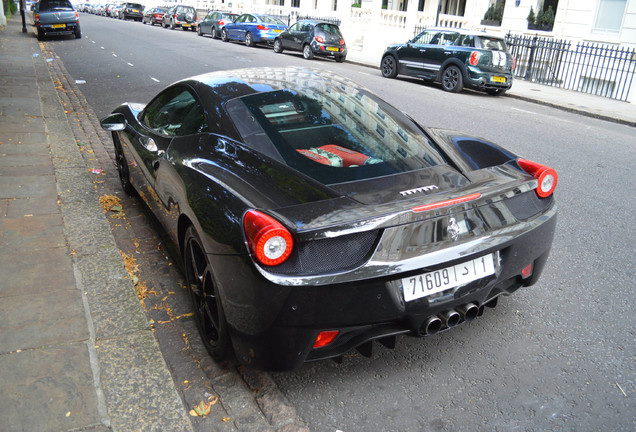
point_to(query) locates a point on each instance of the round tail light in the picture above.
(270, 242)
(546, 176)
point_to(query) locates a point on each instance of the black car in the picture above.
(133, 11)
(181, 16)
(56, 18)
(313, 217)
(214, 22)
(455, 57)
(312, 38)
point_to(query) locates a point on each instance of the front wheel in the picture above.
(249, 40)
(208, 310)
(224, 37)
(388, 66)
(278, 46)
(307, 52)
(452, 79)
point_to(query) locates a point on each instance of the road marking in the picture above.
(529, 112)
(114, 55)
(102, 47)
(154, 79)
(130, 64)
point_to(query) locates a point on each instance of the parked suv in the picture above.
(131, 11)
(56, 17)
(455, 57)
(181, 16)
(313, 38)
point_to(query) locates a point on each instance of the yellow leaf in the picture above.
(203, 409)
(226, 419)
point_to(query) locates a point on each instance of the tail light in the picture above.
(342, 42)
(270, 242)
(320, 39)
(262, 27)
(474, 58)
(221, 22)
(514, 63)
(546, 176)
(324, 338)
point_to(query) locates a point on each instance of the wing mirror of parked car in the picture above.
(114, 122)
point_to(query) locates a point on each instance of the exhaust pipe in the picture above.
(450, 318)
(468, 311)
(431, 326)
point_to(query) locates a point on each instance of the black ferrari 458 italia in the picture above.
(314, 218)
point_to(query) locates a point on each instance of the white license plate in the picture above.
(434, 282)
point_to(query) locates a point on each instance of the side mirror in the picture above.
(114, 122)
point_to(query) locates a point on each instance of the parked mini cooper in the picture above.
(455, 57)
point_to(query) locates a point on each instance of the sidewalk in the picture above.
(76, 349)
(580, 103)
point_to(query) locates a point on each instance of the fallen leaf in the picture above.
(203, 409)
(226, 419)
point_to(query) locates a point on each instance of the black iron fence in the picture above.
(602, 70)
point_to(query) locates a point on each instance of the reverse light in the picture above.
(474, 58)
(446, 203)
(546, 176)
(270, 242)
(324, 338)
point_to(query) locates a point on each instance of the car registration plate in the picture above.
(498, 79)
(333, 49)
(58, 25)
(135, 10)
(185, 25)
(277, 31)
(434, 282)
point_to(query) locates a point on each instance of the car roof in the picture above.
(463, 31)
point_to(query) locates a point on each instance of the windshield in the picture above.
(334, 134)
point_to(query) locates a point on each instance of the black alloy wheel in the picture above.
(278, 46)
(122, 169)
(452, 79)
(388, 66)
(208, 312)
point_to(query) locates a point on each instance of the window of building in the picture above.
(609, 16)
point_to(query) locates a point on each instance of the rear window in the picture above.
(491, 43)
(271, 20)
(134, 6)
(55, 5)
(334, 134)
(330, 28)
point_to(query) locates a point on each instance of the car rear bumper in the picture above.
(327, 50)
(479, 79)
(70, 28)
(274, 327)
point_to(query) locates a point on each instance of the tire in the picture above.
(388, 66)
(199, 31)
(214, 33)
(452, 79)
(249, 40)
(78, 34)
(278, 46)
(307, 52)
(224, 37)
(208, 310)
(40, 35)
(122, 169)
(171, 25)
(340, 59)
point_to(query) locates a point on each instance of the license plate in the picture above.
(333, 49)
(186, 25)
(434, 282)
(135, 10)
(277, 31)
(58, 25)
(498, 79)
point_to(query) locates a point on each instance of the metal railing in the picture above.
(602, 70)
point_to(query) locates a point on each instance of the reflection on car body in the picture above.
(313, 218)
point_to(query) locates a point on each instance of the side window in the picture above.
(175, 112)
(295, 27)
(427, 37)
(306, 28)
(448, 38)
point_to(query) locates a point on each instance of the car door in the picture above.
(173, 114)
(439, 50)
(287, 37)
(413, 56)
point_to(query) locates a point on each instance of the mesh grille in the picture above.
(527, 205)
(328, 255)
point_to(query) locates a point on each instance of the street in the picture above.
(555, 356)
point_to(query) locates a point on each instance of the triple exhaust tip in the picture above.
(450, 318)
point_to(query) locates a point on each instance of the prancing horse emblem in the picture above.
(453, 229)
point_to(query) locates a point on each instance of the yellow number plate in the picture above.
(498, 79)
(333, 49)
(58, 25)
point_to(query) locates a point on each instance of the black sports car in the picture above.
(314, 218)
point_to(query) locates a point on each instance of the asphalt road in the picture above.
(557, 356)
